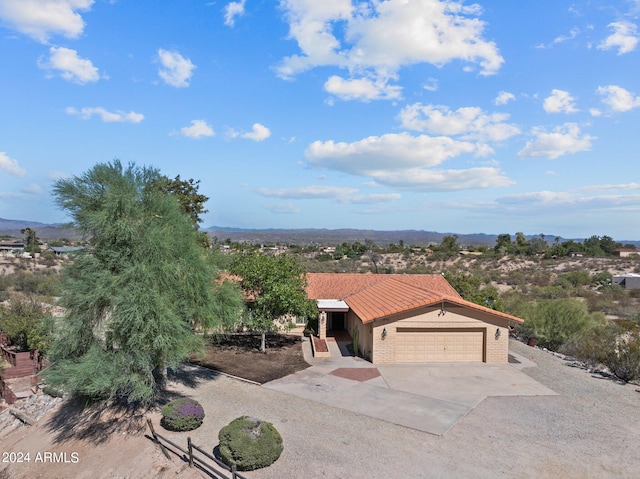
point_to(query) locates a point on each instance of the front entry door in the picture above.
(337, 320)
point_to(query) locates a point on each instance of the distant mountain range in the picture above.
(308, 236)
(45, 232)
(302, 236)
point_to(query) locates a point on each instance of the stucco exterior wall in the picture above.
(365, 336)
(496, 346)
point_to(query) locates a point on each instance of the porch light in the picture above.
(498, 333)
(384, 333)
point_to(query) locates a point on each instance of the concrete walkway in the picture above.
(428, 397)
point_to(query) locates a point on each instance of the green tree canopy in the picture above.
(556, 322)
(135, 299)
(275, 286)
(27, 321)
(31, 240)
(449, 245)
(186, 191)
(503, 244)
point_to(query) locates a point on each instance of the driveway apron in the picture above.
(427, 397)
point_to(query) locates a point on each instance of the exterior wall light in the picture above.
(498, 333)
(384, 333)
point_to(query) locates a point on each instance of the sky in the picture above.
(452, 116)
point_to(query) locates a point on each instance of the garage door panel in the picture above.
(440, 345)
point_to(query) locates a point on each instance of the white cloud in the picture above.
(117, 116)
(308, 192)
(283, 209)
(379, 38)
(338, 193)
(539, 198)
(470, 123)
(503, 98)
(616, 187)
(560, 101)
(258, 133)
(563, 38)
(563, 140)
(176, 70)
(375, 198)
(574, 201)
(431, 84)
(364, 89)
(618, 98)
(9, 165)
(445, 180)
(70, 66)
(405, 161)
(40, 19)
(390, 151)
(233, 10)
(624, 38)
(198, 129)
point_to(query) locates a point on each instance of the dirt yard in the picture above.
(240, 356)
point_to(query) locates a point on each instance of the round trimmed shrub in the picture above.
(249, 443)
(182, 414)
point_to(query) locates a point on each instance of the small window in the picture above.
(301, 320)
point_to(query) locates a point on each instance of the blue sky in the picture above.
(464, 117)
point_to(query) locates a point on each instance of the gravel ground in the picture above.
(590, 430)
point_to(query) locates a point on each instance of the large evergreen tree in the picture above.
(135, 299)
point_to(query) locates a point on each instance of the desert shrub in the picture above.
(556, 322)
(553, 291)
(54, 393)
(577, 278)
(621, 354)
(27, 322)
(182, 414)
(249, 443)
(615, 346)
(45, 283)
(602, 278)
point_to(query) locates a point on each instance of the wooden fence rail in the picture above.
(192, 458)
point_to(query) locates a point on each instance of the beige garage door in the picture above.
(416, 346)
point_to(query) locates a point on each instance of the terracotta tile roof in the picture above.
(375, 296)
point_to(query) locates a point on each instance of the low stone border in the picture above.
(319, 348)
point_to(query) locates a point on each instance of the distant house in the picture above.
(11, 247)
(470, 253)
(625, 252)
(627, 281)
(64, 250)
(408, 318)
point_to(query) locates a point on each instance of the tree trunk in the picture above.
(161, 377)
(263, 343)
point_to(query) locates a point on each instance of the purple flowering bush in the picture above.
(182, 414)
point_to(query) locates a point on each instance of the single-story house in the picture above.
(626, 252)
(398, 318)
(64, 250)
(627, 281)
(11, 247)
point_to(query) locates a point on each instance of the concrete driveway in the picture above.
(427, 397)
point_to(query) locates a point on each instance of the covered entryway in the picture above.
(416, 345)
(337, 320)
